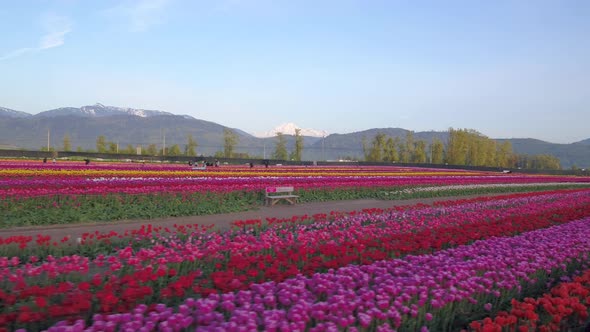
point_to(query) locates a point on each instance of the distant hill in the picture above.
(143, 127)
(583, 142)
(100, 110)
(124, 126)
(569, 154)
(123, 129)
(8, 113)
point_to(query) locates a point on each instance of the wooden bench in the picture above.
(275, 194)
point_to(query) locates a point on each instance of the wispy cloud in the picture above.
(139, 15)
(15, 53)
(56, 28)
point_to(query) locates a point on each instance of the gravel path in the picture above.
(221, 221)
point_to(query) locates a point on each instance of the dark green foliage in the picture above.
(69, 210)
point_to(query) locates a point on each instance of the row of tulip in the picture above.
(24, 244)
(123, 169)
(565, 307)
(48, 210)
(87, 208)
(27, 188)
(471, 186)
(442, 291)
(33, 193)
(166, 268)
(91, 244)
(170, 170)
(18, 180)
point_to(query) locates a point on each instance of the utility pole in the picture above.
(163, 142)
(323, 147)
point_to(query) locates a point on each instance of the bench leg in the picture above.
(271, 201)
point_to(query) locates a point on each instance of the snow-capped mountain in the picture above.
(289, 129)
(7, 112)
(100, 110)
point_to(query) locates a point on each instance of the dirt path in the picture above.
(220, 220)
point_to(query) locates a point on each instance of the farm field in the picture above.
(518, 259)
(33, 193)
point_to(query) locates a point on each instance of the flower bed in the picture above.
(427, 292)
(565, 307)
(163, 268)
(39, 194)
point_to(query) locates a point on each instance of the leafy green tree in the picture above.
(377, 147)
(365, 147)
(420, 152)
(546, 162)
(504, 154)
(436, 150)
(101, 144)
(280, 147)
(191, 146)
(390, 151)
(230, 139)
(404, 155)
(174, 150)
(476, 148)
(79, 149)
(298, 145)
(152, 150)
(457, 147)
(473, 157)
(406, 148)
(113, 147)
(489, 151)
(409, 147)
(67, 143)
(129, 149)
(244, 155)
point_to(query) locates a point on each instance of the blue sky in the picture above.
(506, 68)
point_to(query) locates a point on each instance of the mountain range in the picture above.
(129, 126)
(96, 110)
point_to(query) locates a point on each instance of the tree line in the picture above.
(464, 147)
(189, 149)
(230, 141)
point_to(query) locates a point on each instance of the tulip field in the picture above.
(515, 261)
(34, 193)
